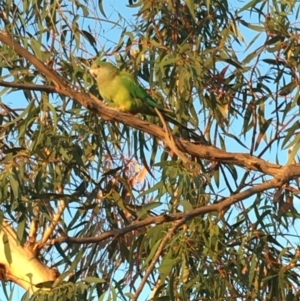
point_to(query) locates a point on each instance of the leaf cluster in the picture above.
(196, 57)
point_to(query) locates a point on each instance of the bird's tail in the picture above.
(186, 132)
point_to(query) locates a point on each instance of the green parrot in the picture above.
(121, 89)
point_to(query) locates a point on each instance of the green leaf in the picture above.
(250, 4)
(94, 280)
(191, 6)
(187, 206)
(7, 249)
(14, 184)
(153, 250)
(148, 207)
(100, 4)
(89, 37)
(21, 229)
(166, 266)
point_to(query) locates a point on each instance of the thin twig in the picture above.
(22, 86)
(155, 288)
(158, 252)
(34, 226)
(55, 219)
(169, 139)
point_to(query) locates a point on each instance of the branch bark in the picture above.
(207, 152)
(27, 86)
(218, 207)
(20, 256)
(20, 265)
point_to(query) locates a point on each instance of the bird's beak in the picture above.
(93, 71)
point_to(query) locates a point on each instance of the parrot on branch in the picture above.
(121, 89)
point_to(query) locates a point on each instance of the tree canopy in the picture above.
(99, 204)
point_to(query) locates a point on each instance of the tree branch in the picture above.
(19, 264)
(55, 219)
(92, 103)
(21, 86)
(158, 252)
(50, 74)
(217, 207)
(169, 139)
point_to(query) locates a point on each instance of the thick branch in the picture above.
(19, 264)
(218, 207)
(91, 102)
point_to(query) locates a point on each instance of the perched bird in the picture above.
(121, 89)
